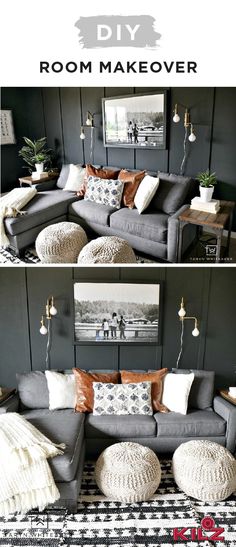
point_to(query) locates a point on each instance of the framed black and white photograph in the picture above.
(135, 121)
(121, 313)
(7, 128)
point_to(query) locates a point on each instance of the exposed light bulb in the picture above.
(176, 118)
(53, 310)
(192, 136)
(82, 135)
(88, 122)
(43, 330)
(195, 332)
(182, 311)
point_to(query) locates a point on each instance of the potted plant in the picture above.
(35, 154)
(207, 182)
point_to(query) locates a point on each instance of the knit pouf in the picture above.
(60, 243)
(204, 470)
(107, 250)
(128, 472)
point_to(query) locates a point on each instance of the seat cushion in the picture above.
(119, 427)
(45, 206)
(149, 225)
(92, 212)
(61, 426)
(202, 389)
(197, 423)
(171, 192)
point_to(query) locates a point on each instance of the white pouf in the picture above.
(204, 470)
(107, 250)
(60, 243)
(128, 472)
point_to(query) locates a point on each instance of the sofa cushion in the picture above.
(102, 172)
(61, 426)
(45, 206)
(33, 389)
(171, 192)
(151, 225)
(64, 174)
(104, 191)
(92, 212)
(202, 390)
(131, 181)
(197, 423)
(119, 427)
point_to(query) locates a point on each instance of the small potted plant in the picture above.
(35, 154)
(207, 182)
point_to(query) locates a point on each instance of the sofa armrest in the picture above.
(227, 410)
(10, 405)
(44, 186)
(173, 234)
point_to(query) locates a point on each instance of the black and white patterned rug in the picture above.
(7, 256)
(103, 523)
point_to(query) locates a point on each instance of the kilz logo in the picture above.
(198, 534)
(117, 31)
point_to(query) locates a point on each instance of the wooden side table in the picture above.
(225, 394)
(6, 393)
(44, 178)
(215, 222)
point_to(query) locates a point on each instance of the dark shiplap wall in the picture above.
(210, 294)
(57, 113)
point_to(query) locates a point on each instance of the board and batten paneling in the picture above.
(209, 294)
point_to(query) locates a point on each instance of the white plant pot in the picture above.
(206, 193)
(39, 168)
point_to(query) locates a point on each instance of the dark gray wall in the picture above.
(57, 113)
(209, 293)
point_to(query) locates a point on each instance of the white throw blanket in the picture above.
(10, 205)
(26, 479)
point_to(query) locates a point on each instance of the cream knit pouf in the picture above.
(60, 243)
(107, 250)
(204, 470)
(128, 472)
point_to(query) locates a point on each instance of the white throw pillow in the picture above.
(146, 192)
(176, 391)
(61, 389)
(121, 399)
(75, 178)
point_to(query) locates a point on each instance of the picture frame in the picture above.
(135, 121)
(99, 307)
(7, 135)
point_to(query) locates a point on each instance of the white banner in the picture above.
(151, 43)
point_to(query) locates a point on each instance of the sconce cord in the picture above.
(181, 344)
(49, 343)
(182, 167)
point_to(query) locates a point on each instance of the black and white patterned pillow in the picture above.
(105, 191)
(122, 398)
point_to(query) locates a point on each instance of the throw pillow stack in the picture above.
(103, 392)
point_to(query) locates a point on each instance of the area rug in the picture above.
(7, 256)
(103, 523)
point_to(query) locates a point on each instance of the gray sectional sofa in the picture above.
(209, 417)
(154, 232)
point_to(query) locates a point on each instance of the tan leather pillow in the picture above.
(102, 172)
(84, 387)
(157, 377)
(99, 172)
(131, 180)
